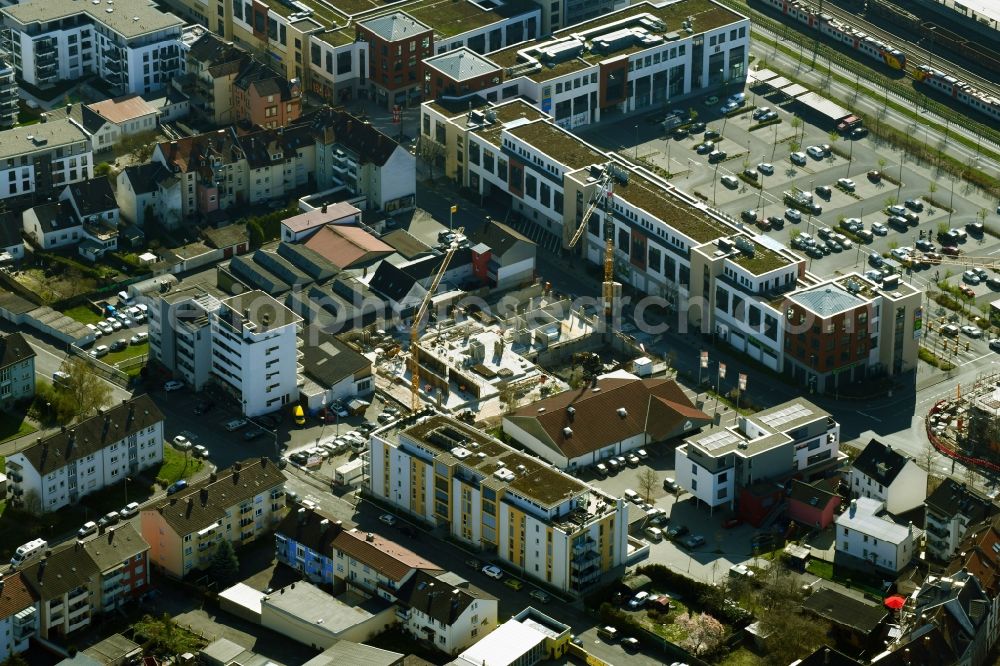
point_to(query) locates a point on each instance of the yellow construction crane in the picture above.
(604, 195)
(421, 313)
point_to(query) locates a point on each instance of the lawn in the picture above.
(114, 358)
(820, 568)
(742, 657)
(14, 425)
(860, 580)
(83, 314)
(177, 464)
(668, 629)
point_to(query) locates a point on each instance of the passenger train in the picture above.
(961, 92)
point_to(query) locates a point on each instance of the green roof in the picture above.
(651, 197)
(335, 37)
(764, 260)
(558, 144)
(453, 17)
(707, 16)
(505, 114)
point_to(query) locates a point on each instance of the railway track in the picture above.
(916, 54)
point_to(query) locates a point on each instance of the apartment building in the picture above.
(255, 352)
(845, 329)
(950, 512)
(239, 504)
(78, 580)
(180, 336)
(97, 452)
(448, 616)
(150, 193)
(130, 44)
(8, 94)
(18, 614)
(84, 215)
(724, 465)
(883, 473)
(491, 497)
(458, 73)
(17, 370)
(113, 120)
(868, 534)
(397, 43)
(37, 159)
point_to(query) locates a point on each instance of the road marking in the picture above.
(997, 251)
(976, 359)
(870, 417)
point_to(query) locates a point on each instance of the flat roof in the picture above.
(453, 17)
(822, 106)
(505, 645)
(861, 516)
(790, 415)
(558, 144)
(129, 18)
(763, 260)
(656, 200)
(243, 596)
(40, 137)
(827, 299)
(308, 603)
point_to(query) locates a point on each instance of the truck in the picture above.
(349, 474)
(848, 124)
(802, 200)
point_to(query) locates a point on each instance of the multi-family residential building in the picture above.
(132, 45)
(979, 555)
(324, 552)
(458, 73)
(508, 258)
(180, 337)
(722, 465)
(949, 512)
(239, 504)
(85, 215)
(546, 523)
(300, 227)
(397, 43)
(228, 85)
(333, 370)
(97, 452)
(448, 616)
(40, 158)
(580, 427)
(8, 94)
(111, 121)
(17, 370)
(254, 351)
(78, 580)
(150, 193)
(883, 473)
(325, 149)
(864, 532)
(18, 614)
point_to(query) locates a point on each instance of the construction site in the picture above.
(966, 427)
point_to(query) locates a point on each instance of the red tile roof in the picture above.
(386, 557)
(345, 246)
(15, 596)
(658, 407)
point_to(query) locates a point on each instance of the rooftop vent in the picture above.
(461, 452)
(567, 432)
(622, 412)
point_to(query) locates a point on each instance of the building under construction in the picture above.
(975, 418)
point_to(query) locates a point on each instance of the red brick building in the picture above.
(814, 504)
(397, 43)
(458, 73)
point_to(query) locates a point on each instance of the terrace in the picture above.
(705, 15)
(507, 113)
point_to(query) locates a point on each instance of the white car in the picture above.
(130, 509)
(96, 331)
(181, 442)
(114, 324)
(173, 385)
(970, 277)
(388, 519)
(798, 158)
(879, 229)
(972, 331)
(200, 451)
(793, 215)
(493, 571)
(900, 253)
(846, 183)
(105, 327)
(766, 168)
(816, 152)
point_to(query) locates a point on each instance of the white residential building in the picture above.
(179, 333)
(255, 352)
(130, 44)
(883, 474)
(95, 453)
(865, 533)
(949, 513)
(795, 437)
(547, 524)
(18, 614)
(113, 120)
(44, 157)
(451, 617)
(17, 370)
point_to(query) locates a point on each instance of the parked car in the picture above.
(972, 331)
(601, 469)
(846, 184)
(711, 134)
(630, 644)
(236, 424)
(995, 344)
(824, 191)
(89, 527)
(670, 485)
(388, 519)
(730, 181)
(129, 510)
(970, 277)
(879, 229)
(539, 596)
(638, 601)
(914, 205)
(513, 583)
(766, 168)
(176, 487)
(693, 541)
(751, 174)
(760, 111)
(118, 345)
(200, 451)
(793, 215)
(493, 571)
(110, 518)
(874, 176)
(676, 531)
(716, 156)
(704, 148)
(203, 407)
(816, 152)
(798, 158)
(173, 385)
(181, 442)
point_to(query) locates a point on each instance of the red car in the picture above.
(730, 523)
(968, 291)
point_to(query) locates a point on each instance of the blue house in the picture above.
(303, 540)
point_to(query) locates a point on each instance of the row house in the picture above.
(17, 370)
(131, 44)
(744, 466)
(323, 150)
(239, 504)
(228, 85)
(150, 194)
(80, 580)
(489, 496)
(85, 214)
(97, 452)
(979, 555)
(39, 159)
(18, 614)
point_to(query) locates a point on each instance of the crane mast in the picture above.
(421, 313)
(603, 197)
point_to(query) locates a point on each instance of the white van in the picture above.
(27, 551)
(631, 495)
(654, 533)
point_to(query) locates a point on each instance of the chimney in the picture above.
(111, 536)
(69, 109)
(370, 538)
(302, 514)
(854, 507)
(213, 477)
(263, 462)
(323, 209)
(203, 495)
(826, 656)
(101, 529)
(571, 413)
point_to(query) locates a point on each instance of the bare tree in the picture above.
(86, 390)
(647, 480)
(430, 151)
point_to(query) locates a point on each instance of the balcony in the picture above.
(75, 611)
(80, 594)
(588, 545)
(81, 622)
(403, 614)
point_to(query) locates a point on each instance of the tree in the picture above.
(647, 481)
(881, 163)
(430, 151)
(86, 391)
(796, 124)
(794, 145)
(139, 146)
(225, 566)
(102, 169)
(704, 633)
(256, 233)
(693, 114)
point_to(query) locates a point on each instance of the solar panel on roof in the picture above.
(786, 415)
(717, 440)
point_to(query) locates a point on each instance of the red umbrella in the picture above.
(895, 602)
